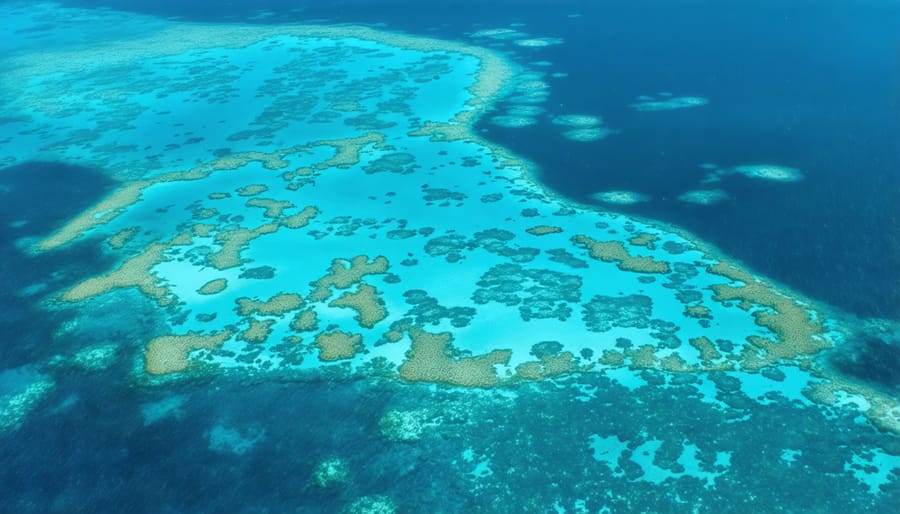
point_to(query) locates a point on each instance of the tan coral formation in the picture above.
(206, 213)
(347, 107)
(675, 364)
(304, 321)
(214, 286)
(273, 208)
(615, 251)
(642, 357)
(799, 334)
(299, 220)
(644, 239)
(706, 348)
(366, 301)
(612, 358)
(203, 229)
(429, 360)
(100, 214)
(543, 230)
(269, 160)
(182, 239)
(118, 240)
(342, 276)
(698, 311)
(135, 272)
(277, 305)
(882, 410)
(232, 242)
(169, 354)
(258, 331)
(443, 131)
(251, 189)
(547, 366)
(338, 345)
(346, 153)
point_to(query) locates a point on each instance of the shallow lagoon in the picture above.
(551, 307)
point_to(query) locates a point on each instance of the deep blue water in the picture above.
(802, 86)
(813, 85)
(36, 197)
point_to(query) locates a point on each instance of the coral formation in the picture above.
(338, 345)
(14, 408)
(304, 321)
(586, 135)
(118, 240)
(538, 293)
(344, 273)
(214, 286)
(331, 472)
(257, 331)
(430, 359)
(273, 208)
(798, 332)
(649, 104)
(135, 272)
(169, 354)
(602, 313)
(252, 189)
(367, 302)
(543, 230)
(426, 310)
(379, 504)
(95, 358)
(277, 305)
(644, 239)
(614, 251)
(620, 197)
(405, 425)
(578, 120)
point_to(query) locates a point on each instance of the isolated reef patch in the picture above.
(620, 197)
(214, 286)
(586, 135)
(509, 121)
(667, 103)
(703, 196)
(578, 120)
(769, 172)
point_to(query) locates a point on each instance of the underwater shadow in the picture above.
(872, 360)
(35, 198)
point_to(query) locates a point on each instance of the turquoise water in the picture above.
(480, 342)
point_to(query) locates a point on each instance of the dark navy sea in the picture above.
(813, 85)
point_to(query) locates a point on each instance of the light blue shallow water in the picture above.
(271, 426)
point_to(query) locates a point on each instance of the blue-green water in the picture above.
(275, 427)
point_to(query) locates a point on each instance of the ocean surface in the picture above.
(495, 256)
(809, 84)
